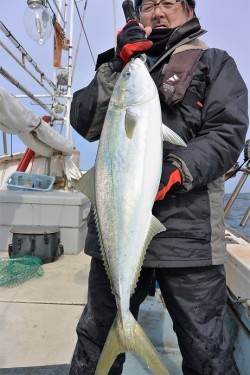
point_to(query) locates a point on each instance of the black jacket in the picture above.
(209, 111)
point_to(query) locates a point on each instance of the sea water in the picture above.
(237, 212)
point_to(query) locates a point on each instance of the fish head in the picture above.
(134, 85)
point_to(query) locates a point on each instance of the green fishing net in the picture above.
(15, 271)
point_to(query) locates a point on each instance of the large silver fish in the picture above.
(122, 188)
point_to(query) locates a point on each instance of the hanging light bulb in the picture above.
(37, 21)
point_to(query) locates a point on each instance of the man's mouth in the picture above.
(159, 26)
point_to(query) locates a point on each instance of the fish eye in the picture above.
(127, 74)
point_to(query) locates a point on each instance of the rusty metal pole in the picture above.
(245, 218)
(237, 190)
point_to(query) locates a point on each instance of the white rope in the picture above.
(79, 39)
(115, 24)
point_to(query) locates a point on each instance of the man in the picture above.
(204, 100)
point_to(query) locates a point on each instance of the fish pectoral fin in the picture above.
(130, 123)
(86, 184)
(170, 136)
(128, 336)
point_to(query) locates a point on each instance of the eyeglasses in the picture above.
(149, 6)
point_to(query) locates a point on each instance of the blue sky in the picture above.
(227, 23)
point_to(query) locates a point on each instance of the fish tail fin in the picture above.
(129, 336)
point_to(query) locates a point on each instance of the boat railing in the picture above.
(244, 168)
(53, 97)
(25, 55)
(41, 78)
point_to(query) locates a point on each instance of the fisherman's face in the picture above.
(160, 14)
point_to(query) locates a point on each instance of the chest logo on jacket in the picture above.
(169, 85)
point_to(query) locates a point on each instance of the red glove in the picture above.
(131, 39)
(170, 180)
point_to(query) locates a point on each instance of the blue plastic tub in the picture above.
(30, 182)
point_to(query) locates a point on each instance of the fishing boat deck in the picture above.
(38, 320)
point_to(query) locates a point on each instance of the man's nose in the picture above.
(158, 13)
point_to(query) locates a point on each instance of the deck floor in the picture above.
(38, 320)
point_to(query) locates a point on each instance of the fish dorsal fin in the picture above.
(170, 136)
(130, 123)
(86, 184)
(155, 227)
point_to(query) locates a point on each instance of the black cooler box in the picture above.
(41, 241)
